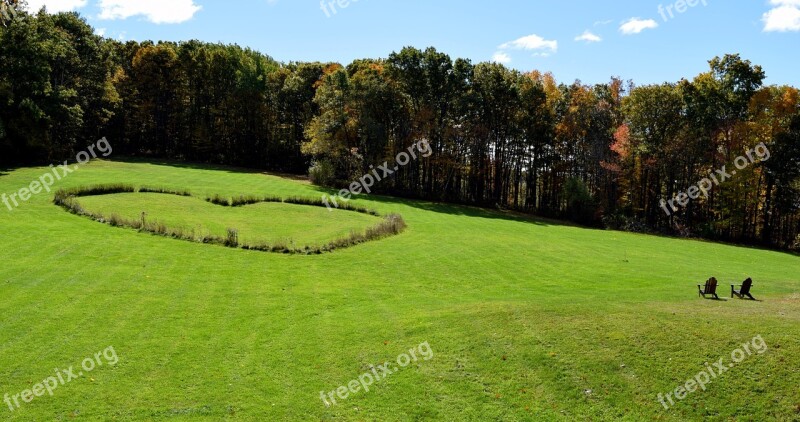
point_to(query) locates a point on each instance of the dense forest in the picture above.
(604, 154)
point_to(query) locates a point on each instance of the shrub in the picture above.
(580, 204)
(613, 221)
(625, 223)
(218, 200)
(244, 200)
(178, 233)
(636, 225)
(232, 238)
(392, 224)
(314, 202)
(116, 221)
(318, 202)
(213, 240)
(347, 207)
(60, 197)
(322, 173)
(103, 190)
(181, 192)
(251, 199)
(62, 194)
(135, 224)
(796, 245)
(261, 247)
(280, 247)
(159, 228)
(69, 203)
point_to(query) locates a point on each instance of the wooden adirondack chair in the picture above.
(744, 290)
(709, 290)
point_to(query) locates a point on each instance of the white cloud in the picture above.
(501, 57)
(588, 37)
(156, 11)
(636, 25)
(100, 31)
(784, 17)
(56, 6)
(531, 42)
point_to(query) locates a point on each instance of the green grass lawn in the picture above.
(265, 222)
(527, 319)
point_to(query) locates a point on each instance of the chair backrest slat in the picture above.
(711, 286)
(746, 286)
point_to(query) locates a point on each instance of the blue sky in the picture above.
(574, 39)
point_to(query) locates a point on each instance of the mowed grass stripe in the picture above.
(206, 332)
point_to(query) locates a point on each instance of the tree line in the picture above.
(604, 154)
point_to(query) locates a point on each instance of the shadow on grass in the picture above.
(743, 245)
(443, 208)
(202, 166)
(438, 207)
(473, 211)
(5, 171)
(457, 209)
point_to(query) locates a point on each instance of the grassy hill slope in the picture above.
(527, 319)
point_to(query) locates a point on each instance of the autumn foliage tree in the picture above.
(603, 154)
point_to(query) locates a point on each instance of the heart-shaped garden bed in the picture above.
(271, 224)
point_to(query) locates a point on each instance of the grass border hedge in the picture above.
(392, 224)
